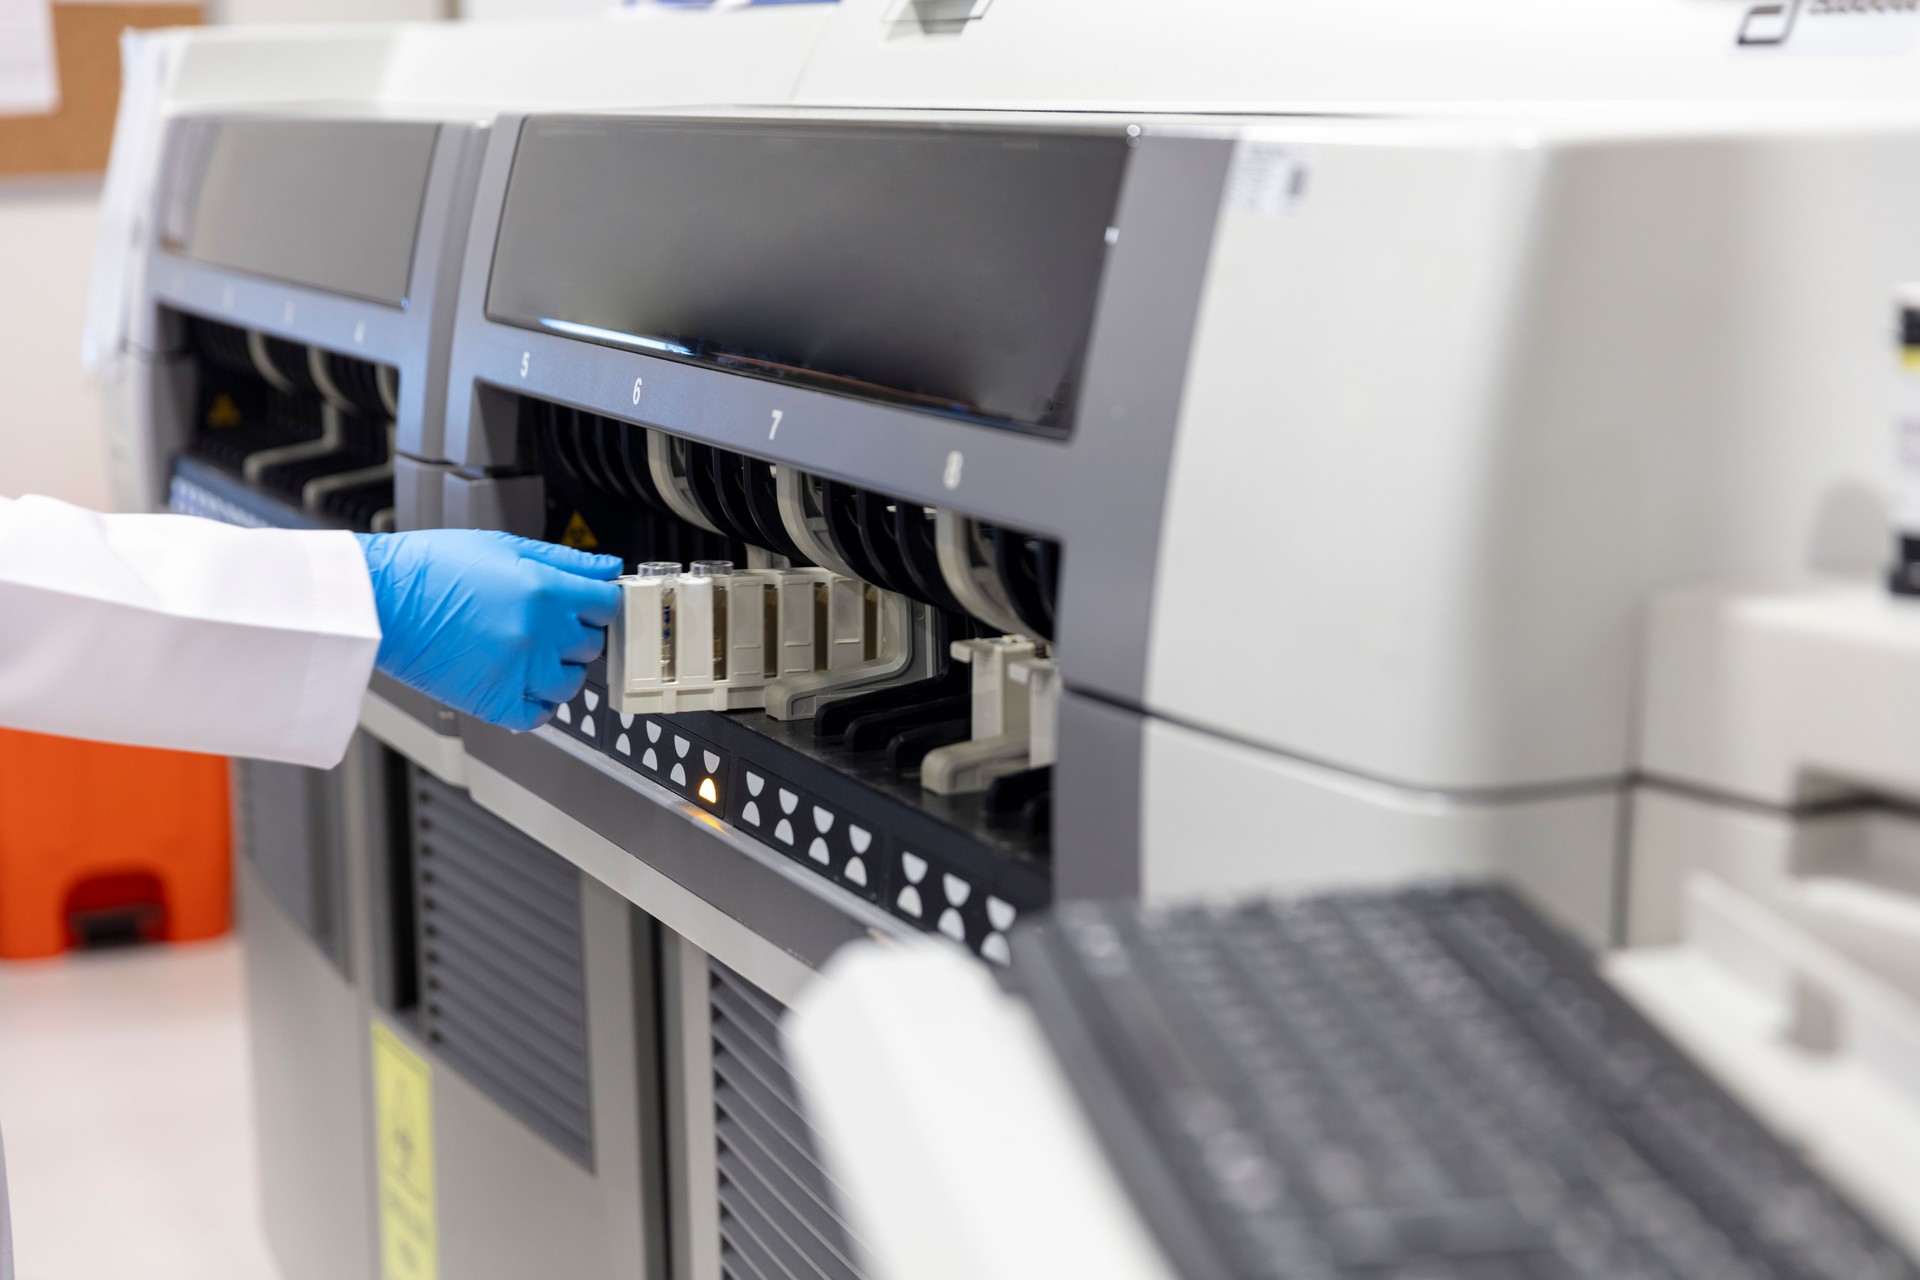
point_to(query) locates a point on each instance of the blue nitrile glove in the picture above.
(493, 625)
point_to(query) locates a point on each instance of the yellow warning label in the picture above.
(223, 412)
(403, 1124)
(578, 536)
(1910, 359)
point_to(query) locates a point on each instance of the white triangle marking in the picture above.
(860, 836)
(621, 745)
(713, 761)
(679, 774)
(751, 814)
(784, 832)
(856, 871)
(822, 820)
(788, 801)
(818, 852)
(651, 760)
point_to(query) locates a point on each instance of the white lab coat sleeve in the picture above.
(170, 631)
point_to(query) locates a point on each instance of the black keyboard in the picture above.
(1422, 1085)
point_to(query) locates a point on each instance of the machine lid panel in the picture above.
(953, 270)
(329, 204)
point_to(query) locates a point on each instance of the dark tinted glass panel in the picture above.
(952, 269)
(331, 204)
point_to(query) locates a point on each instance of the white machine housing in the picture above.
(1491, 343)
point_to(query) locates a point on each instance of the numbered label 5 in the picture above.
(526, 359)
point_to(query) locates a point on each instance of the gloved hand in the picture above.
(493, 625)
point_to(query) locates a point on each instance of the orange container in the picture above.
(107, 843)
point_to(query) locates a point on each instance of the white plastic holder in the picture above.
(1041, 676)
(699, 642)
(1015, 695)
(905, 643)
(782, 639)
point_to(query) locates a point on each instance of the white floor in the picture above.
(124, 1101)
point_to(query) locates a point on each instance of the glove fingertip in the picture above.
(600, 605)
(572, 560)
(526, 717)
(605, 568)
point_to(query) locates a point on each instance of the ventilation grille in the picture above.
(289, 827)
(779, 1218)
(502, 977)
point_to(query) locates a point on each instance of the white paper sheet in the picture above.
(29, 81)
(126, 201)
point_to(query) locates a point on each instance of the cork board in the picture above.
(77, 137)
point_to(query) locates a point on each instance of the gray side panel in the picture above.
(779, 1209)
(289, 821)
(1096, 800)
(502, 964)
(308, 1038)
(632, 1068)
(1123, 441)
(161, 430)
(693, 1180)
(419, 493)
(435, 715)
(444, 222)
(516, 504)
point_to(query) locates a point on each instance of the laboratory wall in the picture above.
(52, 421)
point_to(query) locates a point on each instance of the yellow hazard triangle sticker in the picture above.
(223, 412)
(578, 536)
